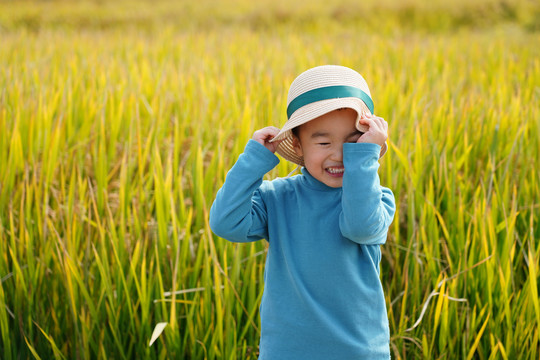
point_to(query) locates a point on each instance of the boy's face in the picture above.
(320, 141)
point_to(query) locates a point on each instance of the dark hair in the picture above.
(295, 131)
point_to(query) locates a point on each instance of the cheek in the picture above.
(314, 156)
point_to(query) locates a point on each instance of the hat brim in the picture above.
(312, 111)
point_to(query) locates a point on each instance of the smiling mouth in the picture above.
(334, 171)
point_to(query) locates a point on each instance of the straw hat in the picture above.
(319, 91)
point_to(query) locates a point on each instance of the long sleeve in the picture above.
(238, 213)
(322, 292)
(367, 207)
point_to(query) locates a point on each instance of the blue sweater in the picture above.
(323, 298)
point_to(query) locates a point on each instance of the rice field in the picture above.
(119, 122)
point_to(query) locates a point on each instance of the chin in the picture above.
(335, 183)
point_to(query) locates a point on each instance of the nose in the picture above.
(337, 153)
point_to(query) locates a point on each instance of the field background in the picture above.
(120, 119)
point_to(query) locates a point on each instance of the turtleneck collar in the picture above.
(315, 184)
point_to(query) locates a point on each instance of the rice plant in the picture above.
(115, 138)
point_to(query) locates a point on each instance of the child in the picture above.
(323, 298)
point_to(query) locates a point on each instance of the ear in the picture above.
(297, 146)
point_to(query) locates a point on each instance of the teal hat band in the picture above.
(329, 92)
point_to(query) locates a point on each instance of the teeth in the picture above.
(335, 171)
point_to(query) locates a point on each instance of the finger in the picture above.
(271, 130)
(381, 122)
(267, 132)
(371, 123)
(365, 120)
(274, 140)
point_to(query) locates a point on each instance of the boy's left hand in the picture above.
(377, 130)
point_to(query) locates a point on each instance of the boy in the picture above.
(323, 298)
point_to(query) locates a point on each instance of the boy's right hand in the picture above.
(264, 135)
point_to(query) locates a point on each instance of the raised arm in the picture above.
(367, 207)
(238, 213)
